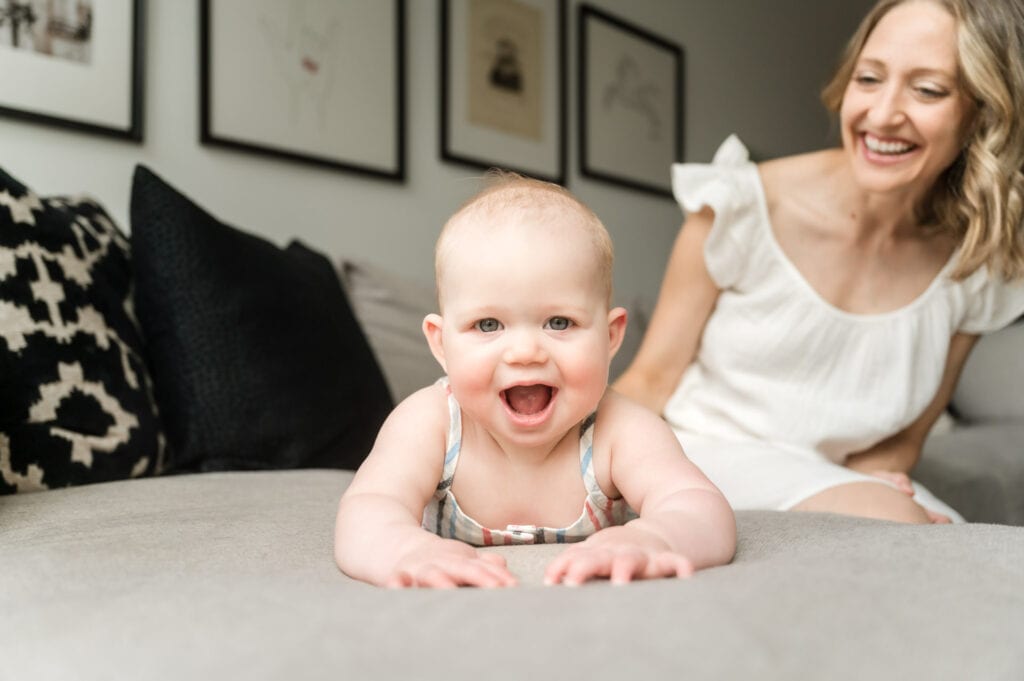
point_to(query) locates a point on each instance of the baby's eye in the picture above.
(489, 325)
(558, 324)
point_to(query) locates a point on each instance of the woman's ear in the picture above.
(616, 329)
(432, 324)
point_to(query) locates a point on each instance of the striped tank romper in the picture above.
(443, 516)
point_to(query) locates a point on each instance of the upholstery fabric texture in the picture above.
(257, 358)
(230, 576)
(390, 308)
(989, 389)
(75, 394)
(978, 470)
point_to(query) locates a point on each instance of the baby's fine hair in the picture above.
(532, 199)
(980, 199)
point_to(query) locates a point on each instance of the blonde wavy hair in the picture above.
(980, 197)
(505, 191)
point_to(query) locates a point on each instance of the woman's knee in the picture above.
(868, 500)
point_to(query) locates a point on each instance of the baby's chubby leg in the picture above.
(869, 500)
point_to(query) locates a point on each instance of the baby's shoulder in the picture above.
(618, 415)
(422, 414)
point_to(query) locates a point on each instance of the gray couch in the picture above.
(230, 575)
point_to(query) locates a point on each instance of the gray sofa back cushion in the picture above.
(991, 386)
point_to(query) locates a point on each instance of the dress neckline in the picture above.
(821, 301)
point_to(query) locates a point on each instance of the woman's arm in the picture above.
(685, 302)
(900, 452)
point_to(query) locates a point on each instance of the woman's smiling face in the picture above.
(904, 113)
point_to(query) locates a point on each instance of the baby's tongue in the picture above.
(528, 399)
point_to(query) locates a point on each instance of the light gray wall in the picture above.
(753, 67)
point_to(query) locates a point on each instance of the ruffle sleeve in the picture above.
(992, 302)
(729, 186)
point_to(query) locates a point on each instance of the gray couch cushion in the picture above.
(991, 387)
(230, 576)
(978, 469)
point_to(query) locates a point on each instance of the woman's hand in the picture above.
(899, 480)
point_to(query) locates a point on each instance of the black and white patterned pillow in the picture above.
(75, 396)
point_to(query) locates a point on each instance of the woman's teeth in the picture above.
(879, 147)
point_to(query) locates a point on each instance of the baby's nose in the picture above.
(524, 347)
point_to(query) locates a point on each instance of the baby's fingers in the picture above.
(559, 568)
(667, 564)
(450, 574)
(493, 558)
(642, 565)
(576, 566)
(626, 566)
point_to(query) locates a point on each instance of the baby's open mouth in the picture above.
(528, 399)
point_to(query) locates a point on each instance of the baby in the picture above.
(522, 442)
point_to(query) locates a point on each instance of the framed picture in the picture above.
(316, 81)
(503, 85)
(76, 65)
(630, 103)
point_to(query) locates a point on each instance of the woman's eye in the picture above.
(558, 324)
(488, 325)
(929, 92)
(867, 79)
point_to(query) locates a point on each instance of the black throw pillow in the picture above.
(257, 358)
(76, 400)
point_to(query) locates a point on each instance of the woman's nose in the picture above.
(524, 347)
(887, 108)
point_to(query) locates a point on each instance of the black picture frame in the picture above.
(363, 133)
(495, 135)
(95, 86)
(630, 106)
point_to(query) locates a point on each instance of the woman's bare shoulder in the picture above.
(798, 176)
(799, 167)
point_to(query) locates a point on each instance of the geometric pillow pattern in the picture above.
(76, 399)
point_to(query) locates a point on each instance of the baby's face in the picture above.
(525, 333)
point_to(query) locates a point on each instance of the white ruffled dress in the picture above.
(785, 385)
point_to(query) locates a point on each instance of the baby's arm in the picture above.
(378, 537)
(685, 523)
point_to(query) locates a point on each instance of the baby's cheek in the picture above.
(585, 374)
(469, 376)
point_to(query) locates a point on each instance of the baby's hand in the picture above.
(619, 555)
(449, 565)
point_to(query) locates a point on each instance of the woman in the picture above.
(817, 309)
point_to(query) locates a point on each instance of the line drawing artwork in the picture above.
(304, 54)
(630, 91)
(53, 28)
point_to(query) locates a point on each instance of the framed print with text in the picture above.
(76, 65)
(315, 81)
(503, 85)
(630, 103)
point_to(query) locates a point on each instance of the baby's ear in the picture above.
(432, 324)
(616, 329)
